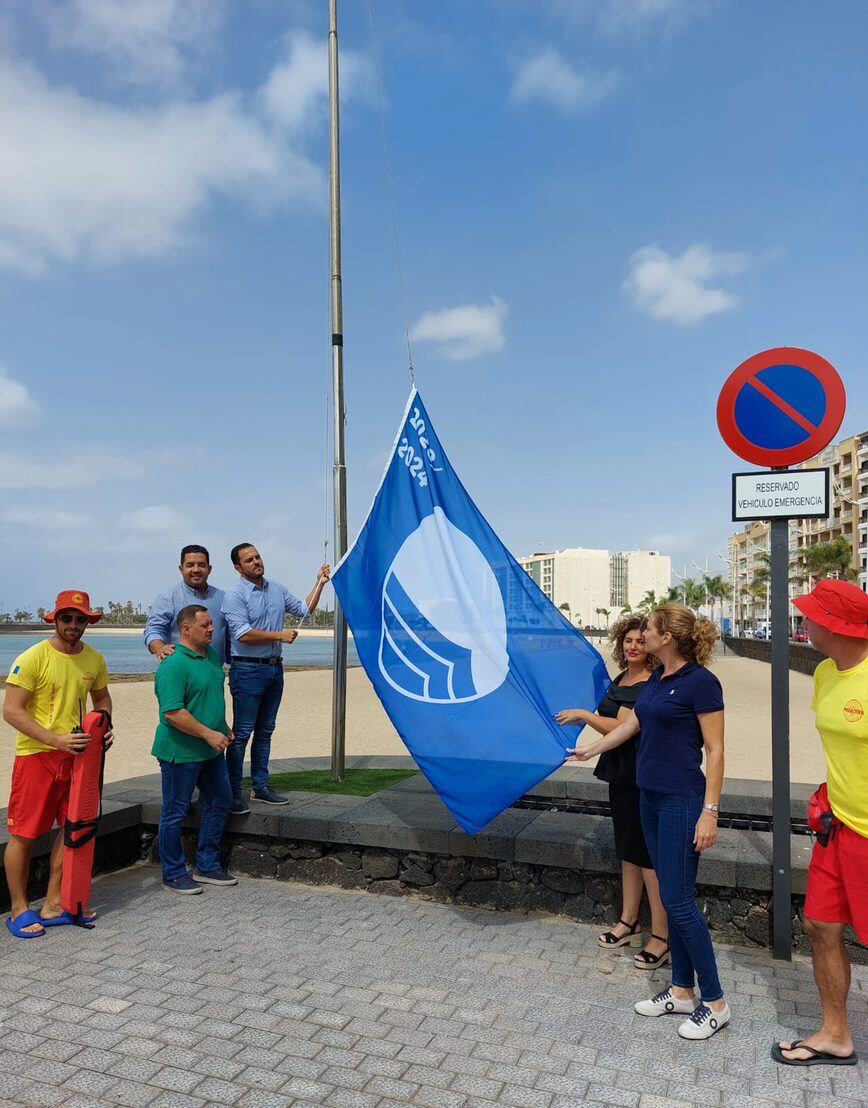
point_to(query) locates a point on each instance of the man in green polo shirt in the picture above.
(191, 737)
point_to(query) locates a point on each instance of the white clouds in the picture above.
(144, 40)
(17, 406)
(296, 91)
(104, 183)
(627, 17)
(547, 76)
(155, 519)
(466, 331)
(90, 180)
(44, 519)
(677, 288)
(634, 16)
(80, 469)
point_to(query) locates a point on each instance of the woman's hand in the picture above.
(705, 834)
(574, 754)
(570, 715)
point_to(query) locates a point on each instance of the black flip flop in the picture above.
(817, 1058)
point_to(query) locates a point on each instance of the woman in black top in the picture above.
(618, 768)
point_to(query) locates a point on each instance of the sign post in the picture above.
(782, 927)
(779, 408)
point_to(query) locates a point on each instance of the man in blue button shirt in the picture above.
(161, 630)
(255, 611)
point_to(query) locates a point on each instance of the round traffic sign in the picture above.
(781, 406)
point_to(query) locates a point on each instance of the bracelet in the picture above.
(713, 808)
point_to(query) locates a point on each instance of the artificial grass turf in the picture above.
(358, 782)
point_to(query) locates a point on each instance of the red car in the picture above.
(800, 636)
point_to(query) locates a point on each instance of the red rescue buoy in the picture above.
(83, 815)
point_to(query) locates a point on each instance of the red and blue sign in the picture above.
(781, 406)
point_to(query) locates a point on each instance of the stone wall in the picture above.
(803, 657)
(402, 842)
(738, 916)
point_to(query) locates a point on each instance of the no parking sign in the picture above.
(781, 406)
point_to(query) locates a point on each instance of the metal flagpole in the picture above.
(339, 673)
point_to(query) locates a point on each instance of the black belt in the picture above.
(258, 661)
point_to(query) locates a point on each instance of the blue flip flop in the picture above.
(62, 920)
(67, 918)
(16, 926)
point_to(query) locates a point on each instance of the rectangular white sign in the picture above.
(780, 494)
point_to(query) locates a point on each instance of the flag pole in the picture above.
(339, 671)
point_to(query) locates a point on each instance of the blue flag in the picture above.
(469, 657)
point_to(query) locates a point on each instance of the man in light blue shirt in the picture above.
(161, 630)
(255, 610)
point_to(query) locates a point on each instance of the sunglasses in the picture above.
(68, 617)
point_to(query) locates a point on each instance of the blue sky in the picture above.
(604, 206)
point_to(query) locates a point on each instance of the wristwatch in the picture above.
(711, 808)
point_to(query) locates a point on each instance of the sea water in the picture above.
(125, 653)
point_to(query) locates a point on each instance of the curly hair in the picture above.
(693, 636)
(617, 634)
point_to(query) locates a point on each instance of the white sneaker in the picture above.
(664, 1004)
(705, 1022)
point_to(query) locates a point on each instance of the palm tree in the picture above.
(830, 558)
(603, 612)
(694, 594)
(717, 588)
(649, 601)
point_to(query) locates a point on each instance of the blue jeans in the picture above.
(179, 781)
(669, 822)
(256, 694)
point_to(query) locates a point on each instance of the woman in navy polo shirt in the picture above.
(680, 712)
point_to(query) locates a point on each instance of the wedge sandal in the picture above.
(612, 941)
(647, 961)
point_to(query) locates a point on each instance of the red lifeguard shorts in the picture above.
(40, 792)
(838, 881)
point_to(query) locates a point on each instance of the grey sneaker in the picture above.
(239, 807)
(269, 796)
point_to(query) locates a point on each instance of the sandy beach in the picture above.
(304, 723)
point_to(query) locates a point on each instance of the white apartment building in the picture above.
(847, 462)
(586, 580)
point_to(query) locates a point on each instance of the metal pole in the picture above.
(782, 943)
(339, 672)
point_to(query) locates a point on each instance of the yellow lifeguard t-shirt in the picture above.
(841, 706)
(59, 685)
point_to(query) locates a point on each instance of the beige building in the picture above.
(635, 573)
(847, 462)
(588, 582)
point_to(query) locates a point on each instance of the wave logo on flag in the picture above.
(444, 624)
(467, 655)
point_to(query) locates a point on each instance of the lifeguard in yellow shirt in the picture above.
(836, 619)
(46, 699)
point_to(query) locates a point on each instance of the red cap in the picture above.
(75, 599)
(838, 606)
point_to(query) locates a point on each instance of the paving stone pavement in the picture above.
(273, 994)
